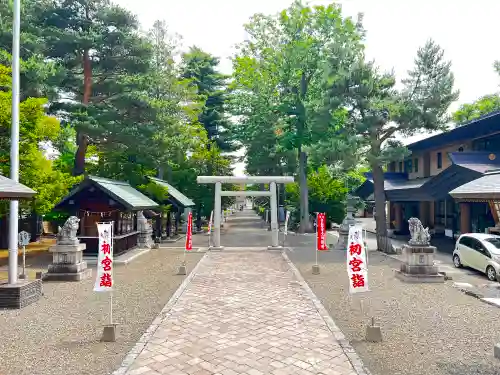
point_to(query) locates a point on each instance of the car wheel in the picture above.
(491, 274)
(456, 261)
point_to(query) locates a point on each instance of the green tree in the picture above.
(376, 111)
(38, 76)
(327, 191)
(201, 69)
(36, 170)
(98, 46)
(284, 59)
(482, 106)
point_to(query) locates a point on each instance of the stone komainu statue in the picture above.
(419, 234)
(69, 229)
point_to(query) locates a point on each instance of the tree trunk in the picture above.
(82, 140)
(383, 242)
(305, 224)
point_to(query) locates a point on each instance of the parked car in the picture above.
(479, 251)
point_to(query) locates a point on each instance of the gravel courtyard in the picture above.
(60, 334)
(427, 329)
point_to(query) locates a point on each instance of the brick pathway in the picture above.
(243, 312)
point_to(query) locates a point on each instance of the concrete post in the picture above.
(274, 217)
(217, 215)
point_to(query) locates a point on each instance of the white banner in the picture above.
(287, 217)
(357, 266)
(104, 279)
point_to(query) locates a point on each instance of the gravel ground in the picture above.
(60, 334)
(427, 328)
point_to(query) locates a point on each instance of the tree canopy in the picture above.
(36, 128)
(278, 83)
(103, 95)
(375, 111)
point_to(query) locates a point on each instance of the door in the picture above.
(466, 248)
(479, 259)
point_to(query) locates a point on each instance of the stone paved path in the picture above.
(244, 312)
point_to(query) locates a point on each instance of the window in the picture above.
(466, 241)
(401, 166)
(415, 167)
(494, 241)
(408, 166)
(439, 160)
(478, 246)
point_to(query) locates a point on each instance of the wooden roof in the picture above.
(9, 189)
(122, 192)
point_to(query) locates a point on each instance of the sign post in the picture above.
(357, 271)
(320, 239)
(24, 240)
(104, 276)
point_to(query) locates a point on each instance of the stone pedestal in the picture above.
(145, 239)
(418, 265)
(279, 248)
(216, 248)
(373, 333)
(182, 270)
(496, 351)
(109, 333)
(20, 295)
(67, 262)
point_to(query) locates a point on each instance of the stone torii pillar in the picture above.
(217, 214)
(271, 180)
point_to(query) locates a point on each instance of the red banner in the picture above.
(321, 232)
(189, 233)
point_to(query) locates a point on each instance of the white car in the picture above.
(479, 251)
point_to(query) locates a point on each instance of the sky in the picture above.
(395, 29)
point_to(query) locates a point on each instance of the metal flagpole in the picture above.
(14, 143)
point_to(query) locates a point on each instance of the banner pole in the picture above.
(316, 249)
(111, 292)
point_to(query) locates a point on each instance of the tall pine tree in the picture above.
(201, 68)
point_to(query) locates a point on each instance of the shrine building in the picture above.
(451, 181)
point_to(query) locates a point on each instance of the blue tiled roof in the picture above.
(466, 166)
(389, 176)
(478, 161)
(481, 127)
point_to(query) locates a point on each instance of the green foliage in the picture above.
(327, 191)
(482, 106)
(36, 128)
(199, 68)
(117, 88)
(278, 89)
(158, 193)
(378, 111)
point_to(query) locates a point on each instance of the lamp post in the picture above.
(14, 142)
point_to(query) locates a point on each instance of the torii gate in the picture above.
(271, 180)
